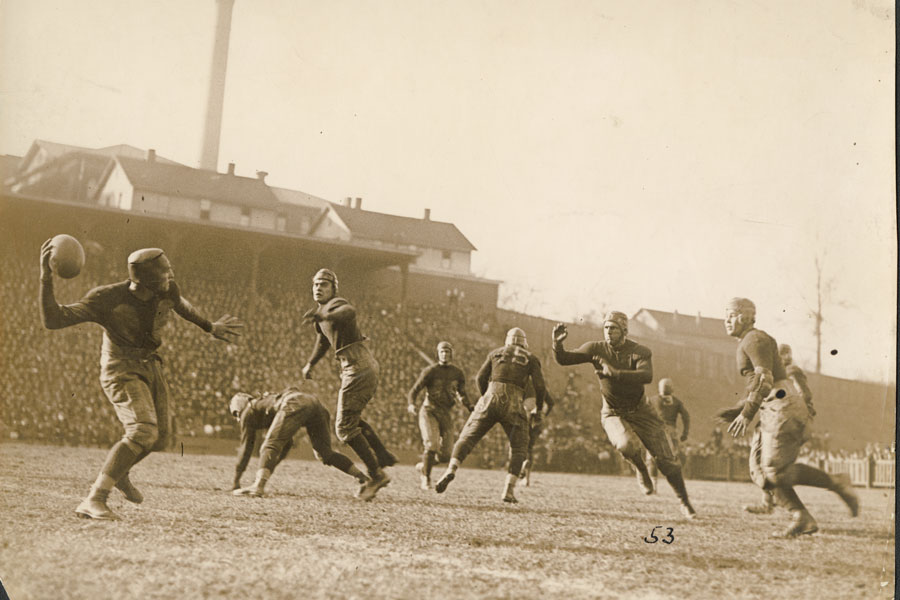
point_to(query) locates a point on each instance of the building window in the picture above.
(445, 259)
(245, 216)
(281, 223)
(204, 209)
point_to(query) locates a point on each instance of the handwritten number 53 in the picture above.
(666, 539)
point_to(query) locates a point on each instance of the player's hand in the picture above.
(227, 329)
(311, 316)
(46, 250)
(738, 427)
(411, 409)
(306, 371)
(560, 333)
(602, 367)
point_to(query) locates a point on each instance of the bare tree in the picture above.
(824, 296)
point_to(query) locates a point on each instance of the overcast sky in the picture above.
(628, 154)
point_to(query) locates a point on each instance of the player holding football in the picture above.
(783, 421)
(624, 367)
(335, 322)
(132, 314)
(443, 383)
(282, 415)
(798, 378)
(501, 381)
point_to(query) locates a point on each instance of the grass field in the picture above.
(571, 536)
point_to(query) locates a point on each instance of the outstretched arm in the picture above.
(565, 357)
(484, 376)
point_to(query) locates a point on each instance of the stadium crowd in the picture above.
(49, 388)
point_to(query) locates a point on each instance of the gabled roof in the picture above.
(675, 323)
(9, 164)
(54, 149)
(393, 229)
(299, 198)
(186, 182)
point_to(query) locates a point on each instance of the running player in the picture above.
(784, 417)
(335, 322)
(132, 314)
(668, 406)
(501, 381)
(624, 367)
(282, 415)
(443, 383)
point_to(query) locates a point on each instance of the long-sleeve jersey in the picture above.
(128, 322)
(630, 364)
(668, 408)
(441, 383)
(757, 351)
(335, 328)
(259, 414)
(515, 365)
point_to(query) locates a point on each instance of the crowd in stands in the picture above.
(49, 388)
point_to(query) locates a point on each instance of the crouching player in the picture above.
(282, 415)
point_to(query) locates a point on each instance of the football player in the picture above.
(624, 367)
(335, 323)
(132, 314)
(783, 420)
(501, 381)
(282, 415)
(444, 383)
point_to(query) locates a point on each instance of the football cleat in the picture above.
(843, 487)
(252, 491)
(387, 460)
(802, 524)
(132, 494)
(646, 482)
(758, 509)
(508, 496)
(372, 486)
(94, 507)
(687, 510)
(444, 481)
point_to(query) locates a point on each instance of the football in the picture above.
(67, 256)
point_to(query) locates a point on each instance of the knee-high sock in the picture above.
(429, 459)
(800, 474)
(381, 453)
(365, 454)
(676, 480)
(786, 497)
(119, 460)
(343, 463)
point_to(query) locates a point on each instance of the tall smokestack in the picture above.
(212, 129)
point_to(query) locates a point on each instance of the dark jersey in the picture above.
(631, 366)
(127, 321)
(259, 414)
(335, 328)
(668, 408)
(441, 384)
(515, 365)
(758, 350)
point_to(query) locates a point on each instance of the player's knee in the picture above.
(145, 435)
